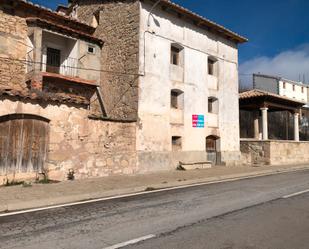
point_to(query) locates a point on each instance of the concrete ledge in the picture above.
(196, 165)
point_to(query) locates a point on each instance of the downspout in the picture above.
(100, 98)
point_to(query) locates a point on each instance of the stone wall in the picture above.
(119, 28)
(13, 35)
(92, 148)
(274, 152)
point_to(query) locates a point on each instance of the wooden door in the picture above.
(23, 144)
(53, 60)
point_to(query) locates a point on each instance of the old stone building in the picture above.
(105, 87)
(52, 115)
(185, 97)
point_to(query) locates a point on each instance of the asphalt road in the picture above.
(182, 218)
(280, 224)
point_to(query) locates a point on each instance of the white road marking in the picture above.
(295, 194)
(145, 193)
(131, 242)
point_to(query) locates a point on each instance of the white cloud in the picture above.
(289, 64)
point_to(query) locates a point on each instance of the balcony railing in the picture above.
(53, 62)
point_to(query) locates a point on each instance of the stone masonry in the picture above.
(119, 28)
(274, 152)
(13, 33)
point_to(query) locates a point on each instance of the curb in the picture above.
(121, 193)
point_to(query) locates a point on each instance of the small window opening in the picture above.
(175, 55)
(293, 87)
(176, 143)
(91, 50)
(177, 99)
(212, 105)
(302, 89)
(212, 66)
(284, 85)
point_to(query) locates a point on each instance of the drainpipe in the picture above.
(100, 98)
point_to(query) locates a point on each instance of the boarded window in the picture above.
(23, 143)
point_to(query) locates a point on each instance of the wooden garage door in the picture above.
(23, 143)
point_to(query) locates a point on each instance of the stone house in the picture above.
(185, 98)
(52, 116)
(114, 87)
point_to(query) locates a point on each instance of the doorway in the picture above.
(213, 149)
(53, 60)
(23, 143)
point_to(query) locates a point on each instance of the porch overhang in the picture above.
(256, 99)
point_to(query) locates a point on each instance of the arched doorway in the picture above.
(213, 149)
(23, 143)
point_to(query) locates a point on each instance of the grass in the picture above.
(13, 183)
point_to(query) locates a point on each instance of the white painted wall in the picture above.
(297, 93)
(155, 115)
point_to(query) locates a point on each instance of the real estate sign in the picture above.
(198, 121)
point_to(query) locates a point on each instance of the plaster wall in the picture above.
(156, 117)
(297, 93)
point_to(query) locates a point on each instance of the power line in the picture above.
(27, 62)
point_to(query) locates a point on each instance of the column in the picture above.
(265, 123)
(296, 126)
(256, 125)
(37, 52)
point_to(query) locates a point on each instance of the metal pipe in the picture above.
(150, 12)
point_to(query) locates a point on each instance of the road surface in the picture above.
(255, 216)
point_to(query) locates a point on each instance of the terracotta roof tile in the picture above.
(259, 93)
(42, 96)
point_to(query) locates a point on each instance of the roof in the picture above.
(202, 21)
(255, 99)
(42, 96)
(29, 4)
(199, 20)
(255, 93)
(65, 29)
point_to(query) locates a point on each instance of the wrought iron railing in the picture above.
(54, 62)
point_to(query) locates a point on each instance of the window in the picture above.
(302, 89)
(91, 50)
(212, 105)
(212, 66)
(284, 85)
(293, 87)
(176, 143)
(175, 55)
(177, 99)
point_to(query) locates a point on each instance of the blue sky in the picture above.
(275, 29)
